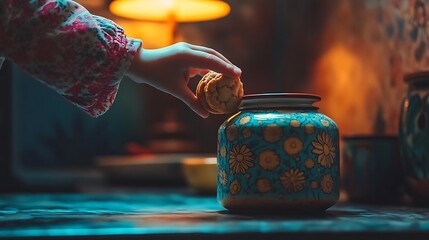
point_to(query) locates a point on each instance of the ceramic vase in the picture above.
(414, 136)
(278, 154)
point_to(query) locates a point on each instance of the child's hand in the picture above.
(169, 70)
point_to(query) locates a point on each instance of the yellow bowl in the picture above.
(201, 173)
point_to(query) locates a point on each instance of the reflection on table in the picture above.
(180, 214)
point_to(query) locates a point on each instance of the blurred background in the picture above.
(353, 53)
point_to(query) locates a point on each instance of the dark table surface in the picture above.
(178, 215)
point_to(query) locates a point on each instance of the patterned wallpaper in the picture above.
(368, 47)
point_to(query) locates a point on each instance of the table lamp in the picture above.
(170, 11)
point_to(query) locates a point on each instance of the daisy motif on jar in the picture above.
(278, 154)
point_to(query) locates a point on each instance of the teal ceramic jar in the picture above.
(414, 136)
(278, 154)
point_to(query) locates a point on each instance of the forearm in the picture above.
(81, 56)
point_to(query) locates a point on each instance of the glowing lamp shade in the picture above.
(166, 10)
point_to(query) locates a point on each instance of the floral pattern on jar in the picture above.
(286, 155)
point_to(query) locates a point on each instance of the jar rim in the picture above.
(418, 76)
(279, 100)
(283, 95)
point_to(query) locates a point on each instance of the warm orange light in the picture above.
(154, 34)
(350, 88)
(167, 10)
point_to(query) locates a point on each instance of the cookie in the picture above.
(202, 96)
(219, 94)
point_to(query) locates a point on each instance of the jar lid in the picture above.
(279, 100)
(417, 79)
(417, 76)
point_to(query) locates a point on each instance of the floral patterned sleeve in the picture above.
(81, 56)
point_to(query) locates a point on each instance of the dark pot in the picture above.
(414, 136)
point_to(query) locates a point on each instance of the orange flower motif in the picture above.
(272, 133)
(292, 145)
(325, 149)
(324, 122)
(293, 180)
(295, 123)
(240, 159)
(222, 151)
(314, 184)
(246, 133)
(223, 177)
(269, 160)
(231, 132)
(263, 185)
(327, 183)
(309, 163)
(244, 120)
(309, 128)
(235, 188)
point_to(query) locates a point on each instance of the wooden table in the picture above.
(177, 215)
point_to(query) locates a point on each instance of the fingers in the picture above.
(188, 97)
(197, 71)
(209, 50)
(204, 60)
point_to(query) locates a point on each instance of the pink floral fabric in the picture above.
(81, 56)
